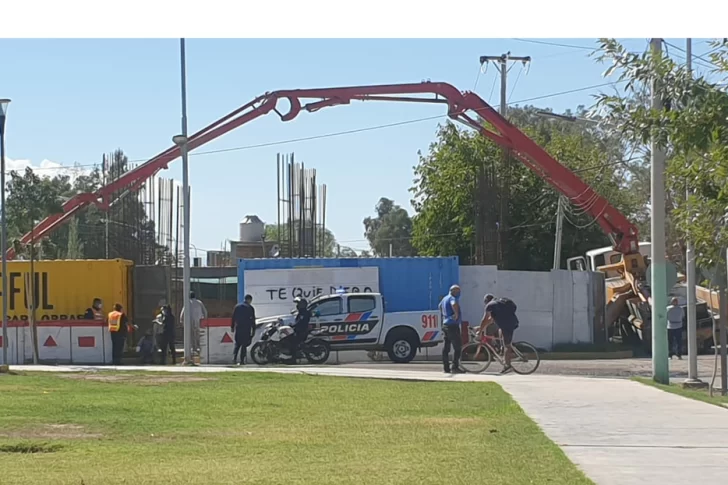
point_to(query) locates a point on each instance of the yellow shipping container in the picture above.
(64, 289)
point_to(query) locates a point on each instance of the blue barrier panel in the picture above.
(408, 284)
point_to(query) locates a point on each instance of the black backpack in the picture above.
(510, 303)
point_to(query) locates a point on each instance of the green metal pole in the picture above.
(660, 365)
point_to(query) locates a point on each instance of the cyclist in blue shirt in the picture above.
(451, 319)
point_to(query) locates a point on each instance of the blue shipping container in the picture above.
(408, 284)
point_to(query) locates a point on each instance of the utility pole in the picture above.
(559, 232)
(692, 380)
(660, 367)
(501, 63)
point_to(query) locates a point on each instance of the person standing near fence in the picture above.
(197, 313)
(168, 334)
(451, 318)
(243, 324)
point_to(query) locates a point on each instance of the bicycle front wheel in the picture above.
(475, 358)
(526, 359)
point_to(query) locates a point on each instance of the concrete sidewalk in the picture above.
(619, 432)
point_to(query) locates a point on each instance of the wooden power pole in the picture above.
(503, 179)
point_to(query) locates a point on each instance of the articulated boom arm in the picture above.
(465, 107)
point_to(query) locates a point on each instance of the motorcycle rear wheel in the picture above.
(317, 351)
(259, 354)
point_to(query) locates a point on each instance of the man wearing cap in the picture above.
(451, 318)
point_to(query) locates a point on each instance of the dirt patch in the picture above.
(52, 431)
(135, 378)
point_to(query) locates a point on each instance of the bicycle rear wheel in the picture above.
(475, 358)
(526, 359)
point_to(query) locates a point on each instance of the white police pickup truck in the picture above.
(357, 321)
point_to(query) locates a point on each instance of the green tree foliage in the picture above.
(31, 198)
(272, 233)
(692, 126)
(74, 248)
(445, 190)
(392, 226)
(347, 252)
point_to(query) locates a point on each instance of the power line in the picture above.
(492, 88)
(445, 234)
(570, 91)
(710, 63)
(556, 44)
(513, 89)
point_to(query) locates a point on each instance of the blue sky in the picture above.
(76, 99)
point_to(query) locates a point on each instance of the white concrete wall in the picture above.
(553, 307)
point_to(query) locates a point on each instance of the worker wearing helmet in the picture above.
(300, 326)
(451, 318)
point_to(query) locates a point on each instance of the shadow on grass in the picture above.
(29, 447)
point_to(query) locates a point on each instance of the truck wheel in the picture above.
(401, 346)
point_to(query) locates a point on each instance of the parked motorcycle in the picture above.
(274, 342)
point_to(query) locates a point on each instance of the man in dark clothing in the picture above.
(243, 324)
(168, 334)
(502, 311)
(300, 326)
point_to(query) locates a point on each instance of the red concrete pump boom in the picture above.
(465, 107)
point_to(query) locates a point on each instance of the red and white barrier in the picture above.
(88, 343)
(16, 343)
(217, 341)
(61, 342)
(54, 341)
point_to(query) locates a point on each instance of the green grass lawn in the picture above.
(698, 394)
(107, 428)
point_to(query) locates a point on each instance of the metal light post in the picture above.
(3, 227)
(692, 380)
(181, 142)
(660, 366)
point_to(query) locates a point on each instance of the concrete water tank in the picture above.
(252, 229)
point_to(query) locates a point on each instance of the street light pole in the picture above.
(4, 227)
(692, 380)
(660, 367)
(181, 140)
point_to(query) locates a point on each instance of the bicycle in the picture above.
(478, 354)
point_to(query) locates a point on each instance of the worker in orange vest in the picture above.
(95, 311)
(118, 328)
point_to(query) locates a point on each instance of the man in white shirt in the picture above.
(196, 315)
(675, 317)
